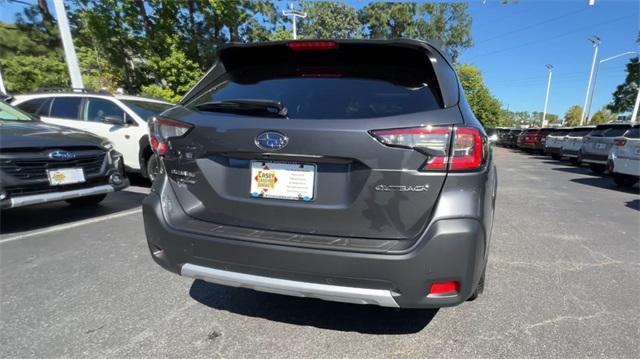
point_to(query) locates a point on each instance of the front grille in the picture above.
(30, 168)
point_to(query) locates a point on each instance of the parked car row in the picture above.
(612, 147)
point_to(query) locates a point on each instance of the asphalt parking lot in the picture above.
(563, 281)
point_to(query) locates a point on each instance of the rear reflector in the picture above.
(444, 288)
(312, 45)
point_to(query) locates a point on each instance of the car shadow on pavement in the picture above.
(365, 319)
(606, 183)
(578, 170)
(634, 204)
(41, 216)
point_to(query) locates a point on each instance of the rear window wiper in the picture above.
(253, 106)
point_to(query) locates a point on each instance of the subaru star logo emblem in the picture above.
(60, 155)
(271, 140)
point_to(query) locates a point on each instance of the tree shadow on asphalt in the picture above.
(35, 217)
(365, 319)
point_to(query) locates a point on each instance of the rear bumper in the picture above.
(570, 152)
(553, 150)
(530, 146)
(450, 249)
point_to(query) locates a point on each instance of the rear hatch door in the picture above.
(341, 181)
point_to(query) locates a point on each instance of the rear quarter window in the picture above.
(615, 132)
(633, 133)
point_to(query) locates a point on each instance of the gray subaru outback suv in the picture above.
(350, 171)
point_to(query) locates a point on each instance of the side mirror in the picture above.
(113, 120)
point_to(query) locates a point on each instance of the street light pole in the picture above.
(3, 90)
(634, 115)
(67, 44)
(546, 97)
(595, 76)
(294, 14)
(595, 40)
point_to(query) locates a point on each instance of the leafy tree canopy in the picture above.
(573, 115)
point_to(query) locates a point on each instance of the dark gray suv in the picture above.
(350, 171)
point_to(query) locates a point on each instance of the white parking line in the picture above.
(72, 225)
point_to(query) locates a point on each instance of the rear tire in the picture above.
(574, 161)
(479, 288)
(87, 201)
(154, 169)
(597, 168)
(556, 156)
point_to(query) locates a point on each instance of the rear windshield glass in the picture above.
(331, 91)
(615, 132)
(633, 133)
(580, 132)
(560, 132)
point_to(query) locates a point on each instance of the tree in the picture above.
(486, 108)
(625, 95)
(330, 20)
(602, 116)
(29, 73)
(572, 116)
(448, 22)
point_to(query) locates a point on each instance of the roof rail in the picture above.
(73, 90)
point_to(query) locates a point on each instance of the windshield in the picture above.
(146, 109)
(8, 113)
(333, 92)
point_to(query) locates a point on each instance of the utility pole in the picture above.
(595, 40)
(546, 98)
(67, 44)
(595, 76)
(294, 14)
(634, 115)
(3, 90)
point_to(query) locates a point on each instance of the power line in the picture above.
(532, 25)
(551, 38)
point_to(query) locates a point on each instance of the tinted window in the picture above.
(560, 133)
(580, 132)
(32, 106)
(96, 110)
(615, 132)
(332, 92)
(66, 107)
(633, 133)
(146, 109)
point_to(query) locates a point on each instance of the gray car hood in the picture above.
(21, 134)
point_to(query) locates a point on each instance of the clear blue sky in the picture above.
(512, 44)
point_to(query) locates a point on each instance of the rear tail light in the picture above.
(619, 141)
(432, 141)
(464, 153)
(312, 45)
(444, 288)
(162, 129)
(468, 149)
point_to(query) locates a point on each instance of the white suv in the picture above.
(624, 158)
(121, 119)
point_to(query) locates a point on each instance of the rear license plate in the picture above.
(280, 180)
(600, 146)
(64, 176)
